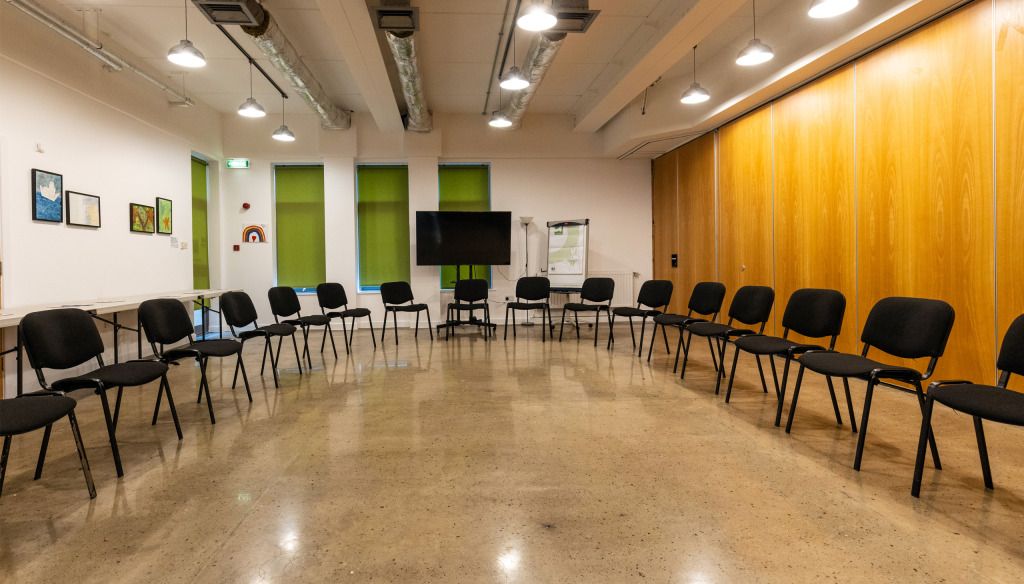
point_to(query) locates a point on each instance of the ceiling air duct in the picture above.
(398, 20)
(538, 60)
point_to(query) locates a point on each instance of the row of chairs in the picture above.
(909, 328)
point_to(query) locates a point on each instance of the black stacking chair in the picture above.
(32, 412)
(167, 322)
(705, 299)
(655, 295)
(470, 296)
(239, 312)
(63, 338)
(598, 291)
(910, 328)
(284, 303)
(981, 402)
(812, 312)
(395, 295)
(752, 306)
(331, 297)
(532, 293)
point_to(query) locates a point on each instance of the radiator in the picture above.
(623, 290)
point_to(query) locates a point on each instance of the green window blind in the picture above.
(200, 227)
(382, 193)
(464, 188)
(301, 256)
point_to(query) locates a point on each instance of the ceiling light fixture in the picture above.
(498, 119)
(250, 108)
(185, 53)
(514, 79)
(696, 93)
(537, 16)
(755, 52)
(283, 134)
(830, 8)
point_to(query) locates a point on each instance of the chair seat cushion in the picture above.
(217, 347)
(129, 373)
(527, 305)
(467, 306)
(406, 307)
(352, 313)
(315, 320)
(985, 401)
(278, 330)
(24, 414)
(767, 345)
(631, 311)
(847, 365)
(708, 329)
(675, 319)
(580, 307)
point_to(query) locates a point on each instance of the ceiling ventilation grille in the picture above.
(396, 18)
(231, 12)
(574, 20)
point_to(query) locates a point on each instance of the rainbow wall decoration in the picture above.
(254, 234)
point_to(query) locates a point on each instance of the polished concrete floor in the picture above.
(515, 461)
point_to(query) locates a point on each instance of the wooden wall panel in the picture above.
(696, 218)
(665, 221)
(924, 159)
(1009, 63)
(815, 221)
(745, 204)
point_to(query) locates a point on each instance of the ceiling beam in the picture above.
(352, 29)
(602, 103)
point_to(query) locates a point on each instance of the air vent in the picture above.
(396, 18)
(574, 20)
(231, 12)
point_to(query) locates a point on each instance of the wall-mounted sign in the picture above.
(238, 163)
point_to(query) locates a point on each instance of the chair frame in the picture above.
(322, 292)
(597, 308)
(647, 289)
(471, 304)
(401, 306)
(227, 310)
(287, 304)
(702, 291)
(530, 304)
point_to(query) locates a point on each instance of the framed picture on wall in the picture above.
(142, 216)
(163, 216)
(83, 209)
(47, 203)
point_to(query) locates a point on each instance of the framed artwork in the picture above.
(47, 203)
(83, 209)
(163, 216)
(143, 220)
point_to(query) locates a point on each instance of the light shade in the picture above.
(186, 55)
(695, 94)
(498, 120)
(284, 134)
(755, 53)
(830, 8)
(537, 16)
(514, 79)
(251, 109)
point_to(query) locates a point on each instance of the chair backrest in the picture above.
(909, 327)
(655, 293)
(165, 320)
(598, 289)
(237, 309)
(752, 304)
(331, 295)
(533, 288)
(60, 338)
(283, 301)
(395, 292)
(1011, 354)
(707, 298)
(473, 290)
(815, 312)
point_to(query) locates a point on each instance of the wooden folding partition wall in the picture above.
(878, 180)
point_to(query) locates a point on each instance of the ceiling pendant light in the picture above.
(696, 93)
(514, 79)
(250, 108)
(498, 119)
(283, 134)
(830, 8)
(537, 16)
(755, 52)
(185, 53)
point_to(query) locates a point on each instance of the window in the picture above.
(464, 187)
(382, 215)
(301, 251)
(200, 227)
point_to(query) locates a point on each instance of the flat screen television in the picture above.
(463, 238)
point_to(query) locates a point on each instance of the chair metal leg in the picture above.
(82, 459)
(506, 324)
(835, 404)
(170, 404)
(775, 376)
(117, 406)
(792, 404)
(266, 348)
(760, 372)
(245, 379)
(204, 385)
(686, 353)
(597, 325)
(782, 391)
(295, 345)
(3, 461)
(234, 379)
(330, 333)
(42, 452)
(562, 327)
(732, 376)
(611, 326)
(430, 327)
(986, 470)
(156, 409)
(664, 336)
(273, 362)
(849, 404)
(632, 333)
(111, 432)
(654, 335)
(415, 331)
(277, 356)
(864, 425)
(926, 430)
(576, 316)
(931, 437)
(720, 342)
(373, 337)
(643, 328)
